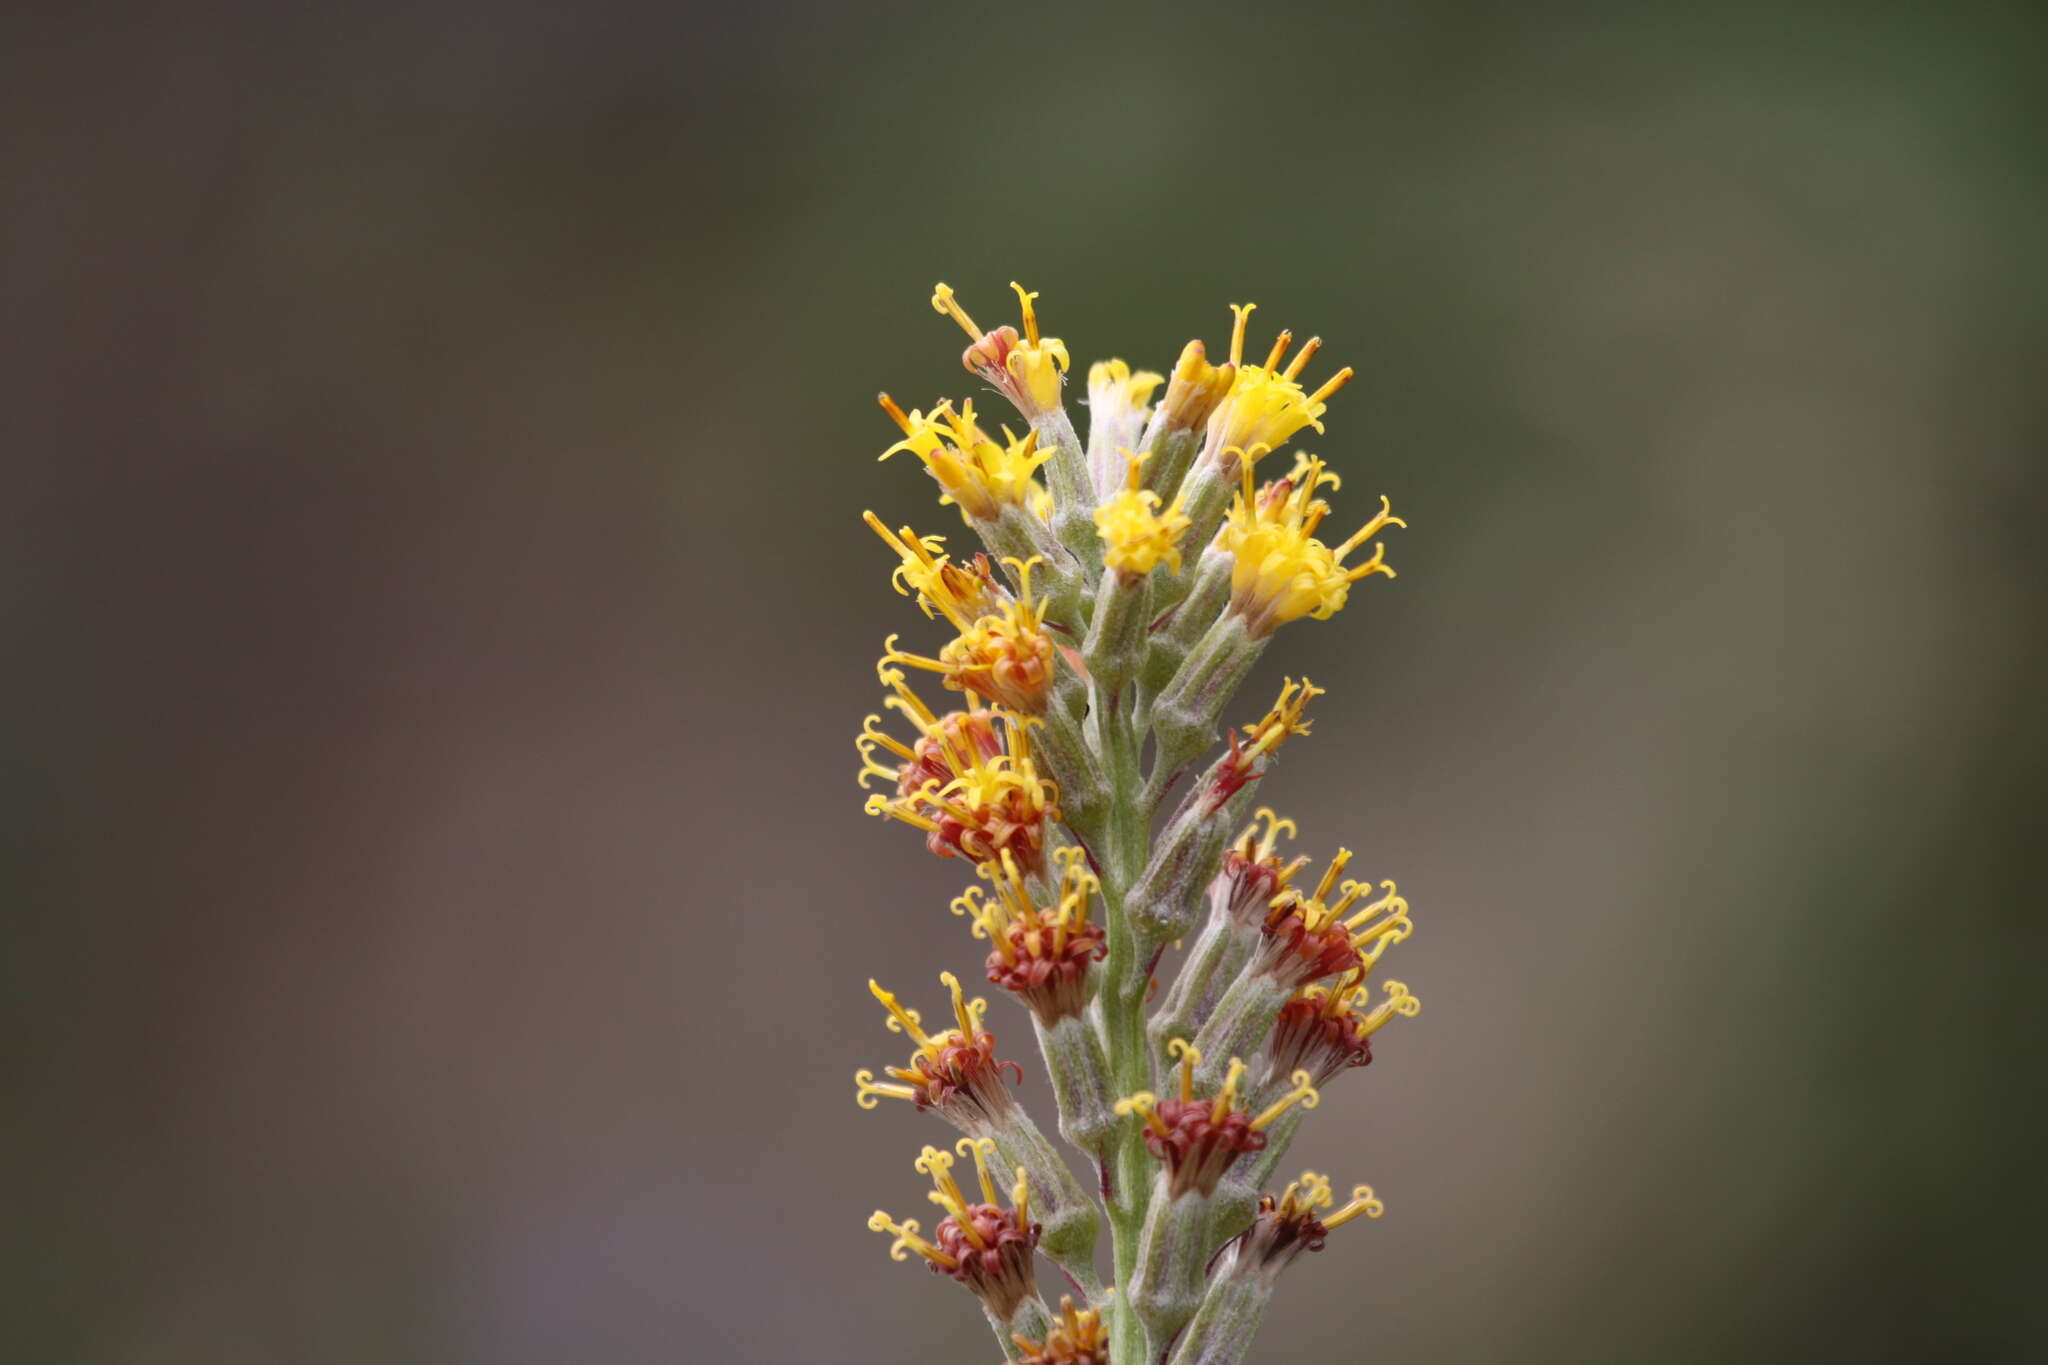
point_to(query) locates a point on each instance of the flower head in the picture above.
(1006, 654)
(968, 780)
(961, 594)
(953, 1071)
(1311, 935)
(1253, 874)
(1325, 1029)
(1198, 1139)
(1267, 405)
(982, 1245)
(1281, 571)
(1077, 1337)
(1255, 744)
(1293, 1223)
(1041, 954)
(1136, 535)
(980, 474)
(1027, 370)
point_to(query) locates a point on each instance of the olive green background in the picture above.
(438, 615)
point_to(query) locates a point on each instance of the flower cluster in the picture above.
(1120, 594)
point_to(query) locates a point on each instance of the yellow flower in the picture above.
(1116, 418)
(1027, 371)
(962, 596)
(1112, 383)
(1282, 572)
(1136, 535)
(1267, 405)
(1005, 654)
(1262, 739)
(980, 474)
(972, 787)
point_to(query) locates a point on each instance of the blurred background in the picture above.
(439, 902)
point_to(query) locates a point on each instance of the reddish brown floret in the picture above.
(1296, 954)
(1274, 1239)
(1016, 826)
(970, 734)
(1306, 1037)
(1197, 1149)
(1247, 885)
(964, 1083)
(999, 1270)
(1053, 983)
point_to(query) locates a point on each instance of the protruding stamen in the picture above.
(1143, 1104)
(908, 1240)
(980, 1149)
(1226, 1098)
(1331, 385)
(896, 413)
(1363, 1202)
(1301, 357)
(943, 302)
(1030, 317)
(868, 1092)
(900, 1020)
(1280, 345)
(1399, 1001)
(1240, 311)
(1303, 1094)
(1189, 1060)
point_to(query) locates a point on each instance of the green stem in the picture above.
(1120, 1010)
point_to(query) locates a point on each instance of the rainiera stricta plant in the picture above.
(1122, 590)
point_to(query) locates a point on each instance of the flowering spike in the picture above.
(1072, 668)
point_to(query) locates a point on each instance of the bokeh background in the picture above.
(439, 903)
